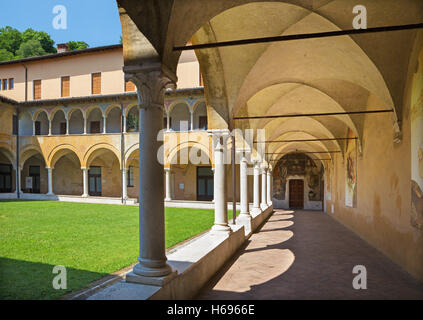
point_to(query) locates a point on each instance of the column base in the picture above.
(220, 229)
(168, 199)
(84, 196)
(158, 281)
(263, 207)
(244, 216)
(50, 194)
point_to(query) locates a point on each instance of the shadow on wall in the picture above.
(21, 280)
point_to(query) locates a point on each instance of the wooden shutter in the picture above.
(37, 89)
(96, 83)
(129, 86)
(65, 86)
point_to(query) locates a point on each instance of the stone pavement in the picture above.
(308, 255)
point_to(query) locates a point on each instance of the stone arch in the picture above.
(57, 152)
(86, 158)
(190, 144)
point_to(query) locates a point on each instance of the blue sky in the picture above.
(94, 21)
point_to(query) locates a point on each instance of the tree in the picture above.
(77, 45)
(44, 38)
(6, 55)
(10, 39)
(30, 48)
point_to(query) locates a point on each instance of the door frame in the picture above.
(95, 176)
(197, 176)
(289, 193)
(7, 175)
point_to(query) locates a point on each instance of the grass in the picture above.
(90, 240)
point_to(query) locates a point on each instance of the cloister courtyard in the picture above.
(90, 240)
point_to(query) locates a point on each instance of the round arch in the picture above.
(60, 151)
(93, 149)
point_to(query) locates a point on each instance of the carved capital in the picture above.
(151, 82)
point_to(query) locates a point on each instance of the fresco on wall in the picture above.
(297, 165)
(351, 172)
(416, 118)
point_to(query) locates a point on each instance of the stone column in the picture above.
(220, 138)
(85, 125)
(151, 81)
(167, 121)
(33, 127)
(269, 187)
(67, 126)
(168, 185)
(191, 120)
(263, 188)
(104, 124)
(50, 181)
(124, 184)
(124, 123)
(256, 205)
(85, 181)
(213, 183)
(245, 211)
(49, 127)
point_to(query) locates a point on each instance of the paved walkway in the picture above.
(308, 255)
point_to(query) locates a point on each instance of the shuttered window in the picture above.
(37, 89)
(129, 86)
(96, 83)
(65, 86)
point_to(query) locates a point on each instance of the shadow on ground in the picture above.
(310, 258)
(34, 281)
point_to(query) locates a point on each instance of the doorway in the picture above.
(5, 178)
(34, 173)
(205, 186)
(94, 181)
(296, 194)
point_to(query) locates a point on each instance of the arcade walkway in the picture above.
(308, 255)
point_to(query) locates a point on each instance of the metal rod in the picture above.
(299, 37)
(305, 152)
(313, 114)
(305, 140)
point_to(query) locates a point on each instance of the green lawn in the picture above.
(90, 240)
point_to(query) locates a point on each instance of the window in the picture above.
(11, 83)
(62, 127)
(15, 125)
(65, 86)
(95, 127)
(96, 83)
(4, 84)
(37, 89)
(129, 86)
(202, 122)
(37, 128)
(130, 176)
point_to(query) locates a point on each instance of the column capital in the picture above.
(49, 168)
(151, 80)
(219, 137)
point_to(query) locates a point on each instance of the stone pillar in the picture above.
(263, 188)
(168, 185)
(50, 181)
(151, 81)
(49, 127)
(220, 138)
(269, 187)
(256, 204)
(124, 184)
(213, 183)
(167, 121)
(85, 181)
(85, 125)
(67, 126)
(104, 124)
(33, 127)
(124, 123)
(191, 120)
(245, 211)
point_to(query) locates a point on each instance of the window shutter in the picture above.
(96, 83)
(65, 86)
(37, 89)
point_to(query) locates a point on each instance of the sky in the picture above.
(94, 21)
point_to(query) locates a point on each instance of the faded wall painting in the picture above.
(298, 165)
(351, 171)
(416, 118)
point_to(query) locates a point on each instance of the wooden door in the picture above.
(296, 194)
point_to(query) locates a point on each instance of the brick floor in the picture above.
(308, 255)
